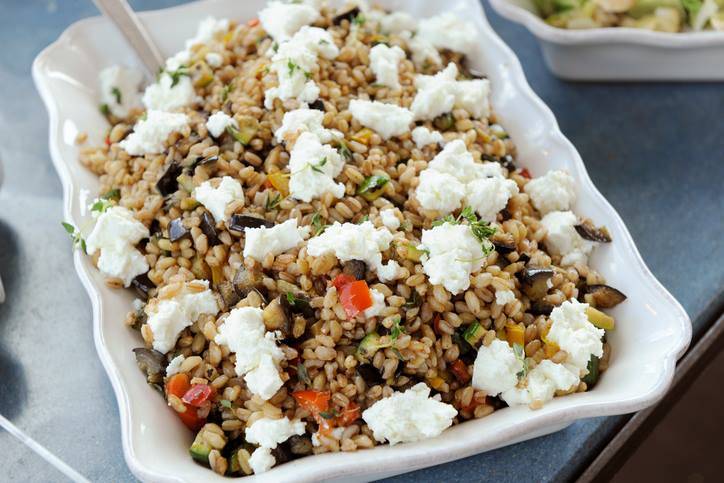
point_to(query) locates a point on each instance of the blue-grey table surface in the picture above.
(656, 151)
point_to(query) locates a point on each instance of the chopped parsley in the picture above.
(225, 91)
(113, 194)
(105, 110)
(75, 235)
(480, 229)
(520, 355)
(372, 183)
(272, 201)
(317, 225)
(291, 298)
(343, 150)
(359, 20)
(117, 94)
(101, 205)
(176, 75)
(318, 167)
(292, 67)
(396, 330)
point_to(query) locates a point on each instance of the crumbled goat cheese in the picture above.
(150, 134)
(217, 199)
(174, 366)
(268, 433)
(446, 31)
(116, 234)
(496, 368)
(397, 22)
(563, 239)
(295, 61)
(313, 167)
(257, 353)
(441, 93)
(555, 191)
(168, 317)
(218, 122)
(423, 52)
(209, 29)
(282, 237)
(261, 460)
(487, 196)
(282, 20)
(454, 254)
(305, 120)
(542, 383)
(575, 334)
(164, 96)
(386, 119)
(214, 59)
(350, 241)
(423, 136)
(503, 297)
(384, 62)
(453, 177)
(389, 219)
(378, 304)
(408, 416)
(180, 59)
(120, 89)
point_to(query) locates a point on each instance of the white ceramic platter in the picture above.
(621, 54)
(652, 328)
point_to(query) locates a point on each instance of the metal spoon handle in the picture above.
(123, 16)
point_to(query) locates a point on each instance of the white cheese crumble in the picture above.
(446, 31)
(165, 96)
(268, 433)
(441, 93)
(257, 353)
(439, 191)
(386, 119)
(115, 234)
(209, 29)
(487, 196)
(295, 61)
(282, 20)
(174, 366)
(563, 239)
(350, 241)
(496, 368)
(120, 89)
(384, 62)
(261, 241)
(541, 384)
(422, 136)
(313, 167)
(218, 122)
(168, 317)
(217, 199)
(503, 297)
(575, 334)
(454, 254)
(555, 191)
(397, 22)
(305, 120)
(214, 59)
(423, 52)
(378, 304)
(408, 416)
(389, 219)
(261, 460)
(150, 134)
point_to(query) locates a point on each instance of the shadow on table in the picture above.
(14, 394)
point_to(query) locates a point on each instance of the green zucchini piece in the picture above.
(200, 449)
(473, 333)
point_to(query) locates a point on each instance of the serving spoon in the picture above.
(125, 19)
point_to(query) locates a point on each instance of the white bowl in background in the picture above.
(652, 331)
(619, 53)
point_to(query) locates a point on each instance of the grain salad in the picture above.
(331, 240)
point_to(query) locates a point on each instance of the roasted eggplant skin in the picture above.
(348, 15)
(177, 230)
(208, 228)
(240, 222)
(245, 281)
(142, 284)
(167, 183)
(535, 282)
(152, 363)
(605, 296)
(587, 230)
(355, 268)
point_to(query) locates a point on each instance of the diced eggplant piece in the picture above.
(504, 243)
(200, 268)
(348, 15)
(277, 316)
(239, 222)
(605, 296)
(245, 281)
(142, 284)
(355, 268)
(155, 227)
(540, 308)
(298, 304)
(370, 374)
(152, 363)
(200, 161)
(168, 184)
(505, 161)
(589, 231)
(467, 353)
(496, 402)
(228, 294)
(177, 230)
(282, 453)
(317, 105)
(524, 257)
(300, 445)
(535, 282)
(208, 228)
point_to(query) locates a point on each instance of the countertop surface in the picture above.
(654, 150)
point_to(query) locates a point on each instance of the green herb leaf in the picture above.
(480, 229)
(414, 301)
(363, 219)
(272, 201)
(176, 75)
(105, 110)
(317, 225)
(398, 353)
(396, 330)
(303, 374)
(101, 205)
(318, 167)
(113, 194)
(329, 414)
(117, 94)
(520, 355)
(291, 298)
(343, 150)
(75, 235)
(275, 46)
(359, 20)
(372, 184)
(292, 67)
(226, 403)
(68, 227)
